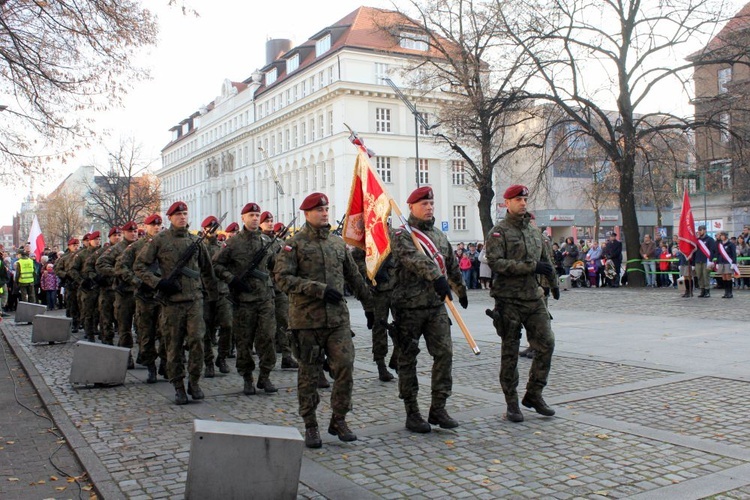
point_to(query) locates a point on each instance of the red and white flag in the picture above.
(36, 240)
(366, 223)
(688, 241)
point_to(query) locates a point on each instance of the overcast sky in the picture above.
(194, 56)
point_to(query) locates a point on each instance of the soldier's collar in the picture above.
(421, 224)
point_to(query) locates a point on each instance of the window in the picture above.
(423, 174)
(383, 167)
(422, 129)
(270, 77)
(304, 88)
(457, 168)
(382, 120)
(292, 63)
(330, 122)
(312, 129)
(287, 143)
(414, 41)
(381, 72)
(303, 133)
(321, 82)
(724, 76)
(725, 122)
(323, 45)
(295, 143)
(459, 217)
(321, 126)
(330, 74)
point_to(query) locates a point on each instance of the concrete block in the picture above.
(25, 311)
(98, 364)
(243, 461)
(50, 329)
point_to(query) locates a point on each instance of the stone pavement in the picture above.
(651, 392)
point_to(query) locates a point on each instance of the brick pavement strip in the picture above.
(135, 442)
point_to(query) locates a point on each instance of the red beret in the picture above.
(277, 227)
(515, 191)
(221, 237)
(95, 235)
(177, 206)
(421, 193)
(130, 226)
(208, 221)
(314, 200)
(250, 207)
(86, 237)
(153, 219)
(141, 232)
(232, 228)
(265, 215)
(115, 230)
(73, 241)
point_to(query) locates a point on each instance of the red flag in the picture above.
(366, 223)
(688, 242)
(36, 240)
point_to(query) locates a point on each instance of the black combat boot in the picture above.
(221, 363)
(708, 293)
(537, 402)
(393, 362)
(288, 362)
(162, 368)
(195, 390)
(688, 291)
(75, 328)
(312, 437)
(210, 372)
(249, 388)
(323, 381)
(439, 416)
(180, 396)
(513, 412)
(151, 374)
(131, 365)
(338, 427)
(728, 290)
(383, 374)
(415, 423)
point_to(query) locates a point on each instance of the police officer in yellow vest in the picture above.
(25, 277)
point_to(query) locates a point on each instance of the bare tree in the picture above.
(632, 45)
(59, 61)
(125, 191)
(62, 216)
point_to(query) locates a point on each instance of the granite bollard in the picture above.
(98, 364)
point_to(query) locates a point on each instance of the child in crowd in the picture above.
(49, 284)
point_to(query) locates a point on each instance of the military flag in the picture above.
(688, 241)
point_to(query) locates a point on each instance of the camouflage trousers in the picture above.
(89, 302)
(281, 307)
(107, 315)
(310, 347)
(147, 311)
(534, 317)
(434, 325)
(381, 306)
(217, 314)
(71, 305)
(182, 323)
(124, 312)
(254, 325)
(27, 292)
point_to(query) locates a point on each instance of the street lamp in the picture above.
(3, 107)
(279, 189)
(417, 120)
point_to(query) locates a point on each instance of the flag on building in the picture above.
(688, 241)
(36, 240)
(366, 223)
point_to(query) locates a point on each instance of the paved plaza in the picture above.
(652, 393)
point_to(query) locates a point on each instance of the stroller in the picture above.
(578, 277)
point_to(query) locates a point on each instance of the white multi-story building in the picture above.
(295, 109)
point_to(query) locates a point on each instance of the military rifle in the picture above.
(340, 229)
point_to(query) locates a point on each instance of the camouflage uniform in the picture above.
(124, 304)
(254, 322)
(147, 308)
(281, 306)
(308, 263)
(513, 248)
(419, 311)
(217, 314)
(71, 287)
(105, 299)
(88, 291)
(181, 320)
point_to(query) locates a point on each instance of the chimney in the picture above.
(275, 47)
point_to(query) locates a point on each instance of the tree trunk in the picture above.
(486, 216)
(630, 223)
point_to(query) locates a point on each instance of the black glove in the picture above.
(332, 296)
(143, 288)
(169, 287)
(556, 293)
(370, 319)
(545, 269)
(101, 280)
(464, 301)
(239, 286)
(87, 284)
(442, 288)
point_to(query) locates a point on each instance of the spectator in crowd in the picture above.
(584, 246)
(473, 255)
(662, 278)
(594, 259)
(614, 253)
(647, 252)
(570, 254)
(485, 273)
(743, 258)
(558, 259)
(5, 279)
(50, 284)
(464, 264)
(745, 234)
(25, 273)
(460, 246)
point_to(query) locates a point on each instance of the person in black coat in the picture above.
(614, 253)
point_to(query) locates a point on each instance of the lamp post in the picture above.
(417, 120)
(279, 189)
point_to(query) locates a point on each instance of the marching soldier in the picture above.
(71, 288)
(182, 310)
(232, 230)
(252, 294)
(124, 304)
(87, 287)
(312, 269)
(147, 308)
(216, 313)
(516, 252)
(280, 300)
(106, 294)
(424, 281)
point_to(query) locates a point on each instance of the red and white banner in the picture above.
(36, 240)
(688, 241)
(366, 223)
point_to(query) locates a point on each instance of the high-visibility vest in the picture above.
(26, 266)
